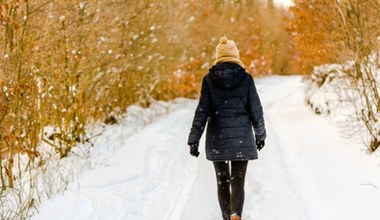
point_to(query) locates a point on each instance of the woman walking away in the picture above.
(230, 104)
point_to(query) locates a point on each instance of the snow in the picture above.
(305, 171)
(332, 93)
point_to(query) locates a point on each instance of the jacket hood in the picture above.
(227, 75)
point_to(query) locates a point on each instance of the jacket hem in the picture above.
(231, 159)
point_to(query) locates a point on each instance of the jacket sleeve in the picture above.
(201, 115)
(255, 111)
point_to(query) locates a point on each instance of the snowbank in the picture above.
(331, 92)
(51, 175)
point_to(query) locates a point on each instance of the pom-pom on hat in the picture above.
(226, 51)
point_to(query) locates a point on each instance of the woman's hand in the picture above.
(194, 150)
(260, 144)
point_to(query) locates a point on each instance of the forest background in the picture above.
(67, 64)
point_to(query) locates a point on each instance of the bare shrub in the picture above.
(353, 33)
(360, 22)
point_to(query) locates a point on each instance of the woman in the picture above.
(230, 104)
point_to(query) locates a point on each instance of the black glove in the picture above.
(194, 150)
(260, 144)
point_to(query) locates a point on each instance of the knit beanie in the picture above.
(226, 51)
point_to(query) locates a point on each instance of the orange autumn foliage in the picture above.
(315, 28)
(65, 64)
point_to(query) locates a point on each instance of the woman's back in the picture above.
(230, 105)
(229, 133)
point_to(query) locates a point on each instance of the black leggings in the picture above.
(230, 186)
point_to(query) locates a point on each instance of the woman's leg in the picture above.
(222, 172)
(238, 170)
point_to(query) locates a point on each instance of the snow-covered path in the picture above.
(306, 171)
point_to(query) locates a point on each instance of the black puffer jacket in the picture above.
(231, 105)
